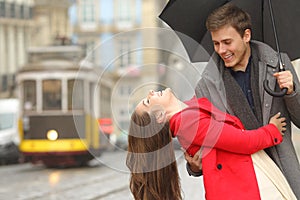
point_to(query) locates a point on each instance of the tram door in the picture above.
(93, 99)
(76, 105)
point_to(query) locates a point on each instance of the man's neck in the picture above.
(242, 66)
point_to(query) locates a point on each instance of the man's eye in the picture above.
(147, 101)
(227, 42)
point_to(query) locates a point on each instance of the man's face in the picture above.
(232, 48)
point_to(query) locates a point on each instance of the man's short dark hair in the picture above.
(231, 15)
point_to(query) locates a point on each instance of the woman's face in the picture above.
(156, 100)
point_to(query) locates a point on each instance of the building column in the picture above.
(2, 51)
(11, 56)
(21, 47)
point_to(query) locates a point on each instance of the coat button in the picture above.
(275, 140)
(219, 166)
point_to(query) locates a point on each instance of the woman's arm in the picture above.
(206, 131)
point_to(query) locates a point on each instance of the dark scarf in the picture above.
(237, 101)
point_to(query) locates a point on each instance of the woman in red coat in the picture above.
(228, 170)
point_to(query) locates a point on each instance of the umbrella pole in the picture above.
(281, 64)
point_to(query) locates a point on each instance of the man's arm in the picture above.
(292, 100)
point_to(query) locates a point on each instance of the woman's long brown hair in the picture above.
(151, 160)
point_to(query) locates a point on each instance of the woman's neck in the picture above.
(179, 106)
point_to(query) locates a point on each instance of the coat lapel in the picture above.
(267, 99)
(267, 67)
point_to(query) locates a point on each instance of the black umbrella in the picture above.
(188, 18)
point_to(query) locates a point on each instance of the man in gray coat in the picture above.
(233, 81)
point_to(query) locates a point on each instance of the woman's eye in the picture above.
(146, 102)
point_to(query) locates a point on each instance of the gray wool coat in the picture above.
(211, 86)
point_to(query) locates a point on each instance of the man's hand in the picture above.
(285, 80)
(195, 162)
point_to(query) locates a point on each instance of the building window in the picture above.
(30, 12)
(4, 83)
(124, 14)
(12, 10)
(10, 82)
(7, 9)
(24, 13)
(17, 11)
(2, 9)
(88, 12)
(125, 58)
(106, 11)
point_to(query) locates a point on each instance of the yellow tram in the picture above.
(59, 98)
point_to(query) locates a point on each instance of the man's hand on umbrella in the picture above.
(285, 80)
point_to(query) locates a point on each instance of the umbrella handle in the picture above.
(271, 92)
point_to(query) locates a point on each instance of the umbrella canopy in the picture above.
(188, 19)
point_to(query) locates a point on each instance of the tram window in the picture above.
(51, 95)
(75, 94)
(29, 88)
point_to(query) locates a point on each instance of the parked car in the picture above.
(9, 131)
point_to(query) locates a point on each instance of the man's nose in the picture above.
(222, 48)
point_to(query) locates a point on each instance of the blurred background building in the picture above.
(107, 30)
(52, 24)
(16, 26)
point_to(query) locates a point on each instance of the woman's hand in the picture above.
(279, 122)
(195, 162)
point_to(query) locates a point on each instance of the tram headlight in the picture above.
(52, 135)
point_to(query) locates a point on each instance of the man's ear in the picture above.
(247, 35)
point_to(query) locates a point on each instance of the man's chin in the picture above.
(228, 65)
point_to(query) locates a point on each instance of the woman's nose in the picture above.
(151, 93)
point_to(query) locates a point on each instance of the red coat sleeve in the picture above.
(201, 129)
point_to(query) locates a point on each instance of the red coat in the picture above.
(228, 171)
